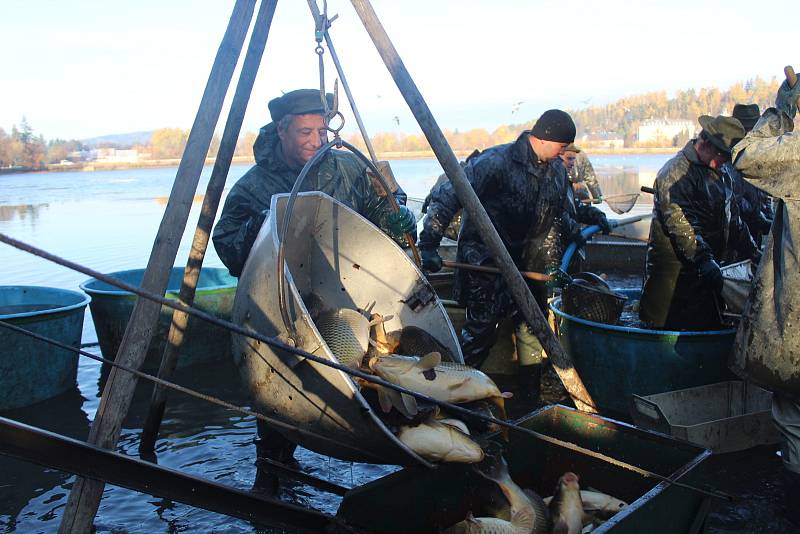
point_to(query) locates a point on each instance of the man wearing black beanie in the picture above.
(523, 187)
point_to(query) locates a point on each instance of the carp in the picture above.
(598, 505)
(566, 508)
(440, 442)
(495, 468)
(443, 381)
(520, 523)
(416, 341)
(346, 332)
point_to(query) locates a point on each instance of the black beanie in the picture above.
(554, 125)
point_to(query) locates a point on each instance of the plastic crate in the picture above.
(724, 417)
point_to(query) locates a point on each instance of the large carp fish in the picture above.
(442, 381)
(444, 440)
(521, 523)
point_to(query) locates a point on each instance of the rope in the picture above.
(177, 387)
(452, 408)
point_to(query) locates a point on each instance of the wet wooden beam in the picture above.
(39, 446)
(85, 496)
(470, 202)
(216, 184)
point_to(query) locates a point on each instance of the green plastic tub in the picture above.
(112, 307)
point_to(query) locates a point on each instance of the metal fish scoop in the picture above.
(346, 333)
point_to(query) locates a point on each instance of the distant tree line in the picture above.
(23, 148)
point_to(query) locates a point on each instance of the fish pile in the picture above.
(415, 360)
(521, 511)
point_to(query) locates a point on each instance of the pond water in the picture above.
(107, 221)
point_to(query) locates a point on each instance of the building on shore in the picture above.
(665, 131)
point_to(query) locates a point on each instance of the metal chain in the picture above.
(320, 28)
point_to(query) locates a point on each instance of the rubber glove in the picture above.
(399, 223)
(786, 100)
(431, 261)
(710, 275)
(602, 222)
(558, 278)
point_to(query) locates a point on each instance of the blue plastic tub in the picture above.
(203, 342)
(32, 370)
(616, 362)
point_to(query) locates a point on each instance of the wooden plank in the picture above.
(85, 496)
(216, 184)
(469, 200)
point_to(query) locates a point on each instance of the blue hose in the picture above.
(586, 233)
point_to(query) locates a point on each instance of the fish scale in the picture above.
(346, 332)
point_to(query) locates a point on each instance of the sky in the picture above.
(82, 69)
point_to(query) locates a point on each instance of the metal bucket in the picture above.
(616, 362)
(345, 261)
(33, 370)
(112, 307)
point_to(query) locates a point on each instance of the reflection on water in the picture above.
(107, 221)
(24, 212)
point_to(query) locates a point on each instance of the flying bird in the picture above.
(396, 119)
(516, 106)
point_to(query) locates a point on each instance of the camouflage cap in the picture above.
(723, 132)
(298, 102)
(572, 148)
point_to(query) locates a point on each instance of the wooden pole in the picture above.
(469, 200)
(85, 496)
(538, 277)
(216, 184)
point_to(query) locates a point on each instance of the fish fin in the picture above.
(500, 402)
(409, 403)
(506, 394)
(560, 527)
(430, 360)
(457, 385)
(523, 520)
(384, 400)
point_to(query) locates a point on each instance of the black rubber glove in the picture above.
(558, 278)
(602, 222)
(399, 223)
(710, 275)
(431, 261)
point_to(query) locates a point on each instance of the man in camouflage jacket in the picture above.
(691, 232)
(281, 150)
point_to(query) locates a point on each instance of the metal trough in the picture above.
(33, 370)
(345, 262)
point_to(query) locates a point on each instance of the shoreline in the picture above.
(91, 166)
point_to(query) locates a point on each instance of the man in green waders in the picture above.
(283, 147)
(692, 230)
(768, 340)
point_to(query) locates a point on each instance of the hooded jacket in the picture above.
(339, 174)
(767, 345)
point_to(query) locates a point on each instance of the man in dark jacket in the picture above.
(691, 232)
(755, 206)
(282, 148)
(523, 187)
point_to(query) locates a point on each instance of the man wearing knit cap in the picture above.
(523, 187)
(283, 147)
(281, 150)
(692, 231)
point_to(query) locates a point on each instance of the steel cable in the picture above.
(452, 408)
